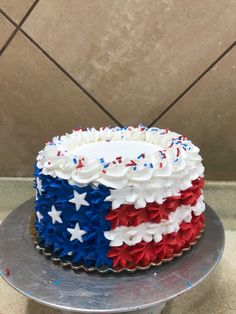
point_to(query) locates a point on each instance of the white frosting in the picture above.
(154, 231)
(169, 165)
(110, 150)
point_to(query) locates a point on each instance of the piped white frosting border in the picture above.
(151, 178)
(154, 231)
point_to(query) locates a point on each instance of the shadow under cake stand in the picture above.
(141, 292)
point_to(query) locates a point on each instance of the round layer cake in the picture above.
(118, 197)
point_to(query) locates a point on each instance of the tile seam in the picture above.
(17, 26)
(8, 18)
(190, 86)
(67, 74)
(94, 100)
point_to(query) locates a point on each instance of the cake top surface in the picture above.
(109, 150)
(120, 157)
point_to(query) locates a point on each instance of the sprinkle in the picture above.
(106, 165)
(77, 129)
(178, 152)
(75, 160)
(151, 165)
(7, 272)
(80, 164)
(163, 155)
(145, 165)
(119, 159)
(58, 153)
(134, 168)
(165, 131)
(131, 163)
(54, 282)
(161, 164)
(104, 171)
(176, 159)
(114, 162)
(141, 156)
(102, 160)
(49, 162)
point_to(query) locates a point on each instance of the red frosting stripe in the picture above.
(127, 215)
(144, 253)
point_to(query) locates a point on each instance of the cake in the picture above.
(118, 198)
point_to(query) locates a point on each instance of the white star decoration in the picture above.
(78, 200)
(55, 215)
(76, 233)
(39, 215)
(39, 186)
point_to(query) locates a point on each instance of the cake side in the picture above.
(122, 212)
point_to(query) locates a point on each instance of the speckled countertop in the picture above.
(217, 294)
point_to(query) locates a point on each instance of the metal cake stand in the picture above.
(142, 292)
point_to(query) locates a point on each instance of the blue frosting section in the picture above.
(92, 251)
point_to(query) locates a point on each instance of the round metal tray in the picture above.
(38, 278)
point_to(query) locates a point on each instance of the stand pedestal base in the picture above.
(151, 310)
(39, 279)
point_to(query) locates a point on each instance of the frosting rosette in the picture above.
(103, 196)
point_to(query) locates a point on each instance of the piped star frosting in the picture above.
(121, 209)
(39, 216)
(55, 215)
(76, 233)
(39, 186)
(78, 200)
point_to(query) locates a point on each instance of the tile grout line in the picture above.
(68, 75)
(221, 56)
(18, 26)
(8, 18)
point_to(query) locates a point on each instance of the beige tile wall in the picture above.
(6, 29)
(92, 63)
(16, 9)
(207, 113)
